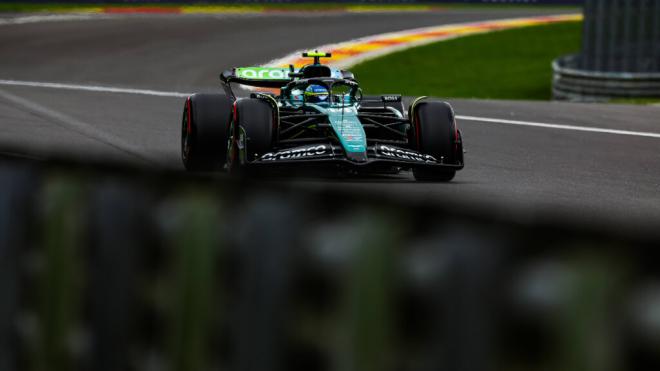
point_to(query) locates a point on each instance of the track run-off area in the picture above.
(111, 88)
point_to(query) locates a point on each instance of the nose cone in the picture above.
(357, 156)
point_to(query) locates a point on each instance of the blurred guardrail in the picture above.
(620, 55)
(106, 269)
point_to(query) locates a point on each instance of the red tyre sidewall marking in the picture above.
(455, 139)
(189, 109)
(417, 129)
(233, 155)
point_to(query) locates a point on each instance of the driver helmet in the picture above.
(316, 94)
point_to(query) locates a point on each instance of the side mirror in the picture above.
(342, 94)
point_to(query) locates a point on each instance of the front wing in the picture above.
(327, 154)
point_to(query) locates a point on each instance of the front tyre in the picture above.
(252, 132)
(434, 133)
(204, 131)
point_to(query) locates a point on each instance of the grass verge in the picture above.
(510, 64)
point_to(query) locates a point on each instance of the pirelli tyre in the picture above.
(251, 133)
(435, 134)
(204, 131)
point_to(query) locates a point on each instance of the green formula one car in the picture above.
(318, 119)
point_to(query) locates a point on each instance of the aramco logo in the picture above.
(262, 73)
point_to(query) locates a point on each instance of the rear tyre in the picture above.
(204, 131)
(434, 133)
(252, 134)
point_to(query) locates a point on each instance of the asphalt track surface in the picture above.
(534, 169)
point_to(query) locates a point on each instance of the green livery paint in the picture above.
(347, 126)
(262, 73)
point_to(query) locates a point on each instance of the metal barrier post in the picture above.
(16, 188)
(60, 280)
(194, 242)
(117, 234)
(266, 240)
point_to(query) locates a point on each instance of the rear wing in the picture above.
(277, 77)
(264, 77)
(274, 77)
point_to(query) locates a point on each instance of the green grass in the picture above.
(511, 64)
(63, 7)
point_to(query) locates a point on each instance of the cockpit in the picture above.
(321, 92)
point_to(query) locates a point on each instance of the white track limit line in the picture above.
(560, 127)
(157, 93)
(99, 89)
(83, 128)
(49, 18)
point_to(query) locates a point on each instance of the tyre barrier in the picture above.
(575, 84)
(116, 269)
